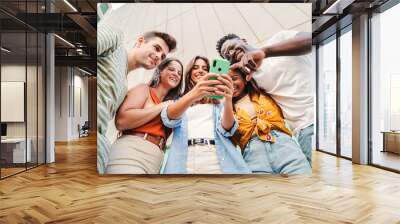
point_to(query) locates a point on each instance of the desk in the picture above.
(16, 147)
(391, 141)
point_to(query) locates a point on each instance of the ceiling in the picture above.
(332, 15)
(75, 21)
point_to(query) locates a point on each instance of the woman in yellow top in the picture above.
(267, 145)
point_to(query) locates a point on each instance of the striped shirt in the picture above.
(112, 61)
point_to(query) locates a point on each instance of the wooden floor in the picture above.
(70, 191)
(10, 171)
(388, 159)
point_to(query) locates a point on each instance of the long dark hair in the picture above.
(189, 84)
(250, 88)
(174, 93)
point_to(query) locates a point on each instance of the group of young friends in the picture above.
(249, 130)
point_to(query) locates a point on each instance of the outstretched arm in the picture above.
(203, 88)
(250, 61)
(298, 45)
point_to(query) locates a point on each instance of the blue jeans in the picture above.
(305, 140)
(282, 157)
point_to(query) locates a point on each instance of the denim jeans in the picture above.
(284, 156)
(304, 137)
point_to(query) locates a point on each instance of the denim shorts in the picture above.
(284, 156)
(304, 137)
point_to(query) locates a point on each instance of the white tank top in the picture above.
(200, 121)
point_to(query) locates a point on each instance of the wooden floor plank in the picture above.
(71, 191)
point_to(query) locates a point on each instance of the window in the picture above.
(346, 92)
(22, 75)
(385, 89)
(327, 96)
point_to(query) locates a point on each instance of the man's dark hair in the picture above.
(222, 41)
(168, 39)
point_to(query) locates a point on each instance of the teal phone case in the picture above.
(219, 66)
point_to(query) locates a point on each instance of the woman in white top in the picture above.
(202, 125)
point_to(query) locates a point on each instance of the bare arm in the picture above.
(131, 114)
(226, 90)
(203, 88)
(227, 117)
(295, 46)
(176, 109)
(252, 60)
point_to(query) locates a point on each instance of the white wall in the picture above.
(61, 103)
(81, 84)
(12, 73)
(33, 127)
(69, 81)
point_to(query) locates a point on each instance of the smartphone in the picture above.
(219, 66)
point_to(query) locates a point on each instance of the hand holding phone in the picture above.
(219, 66)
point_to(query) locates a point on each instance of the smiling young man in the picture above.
(287, 79)
(113, 65)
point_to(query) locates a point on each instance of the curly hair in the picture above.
(222, 40)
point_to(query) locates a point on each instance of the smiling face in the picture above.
(151, 52)
(199, 69)
(171, 75)
(234, 48)
(239, 83)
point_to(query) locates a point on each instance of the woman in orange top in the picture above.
(139, 150)
(267, 144)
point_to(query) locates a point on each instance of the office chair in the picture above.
(84, 130)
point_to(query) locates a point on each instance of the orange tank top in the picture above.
(155, 126)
